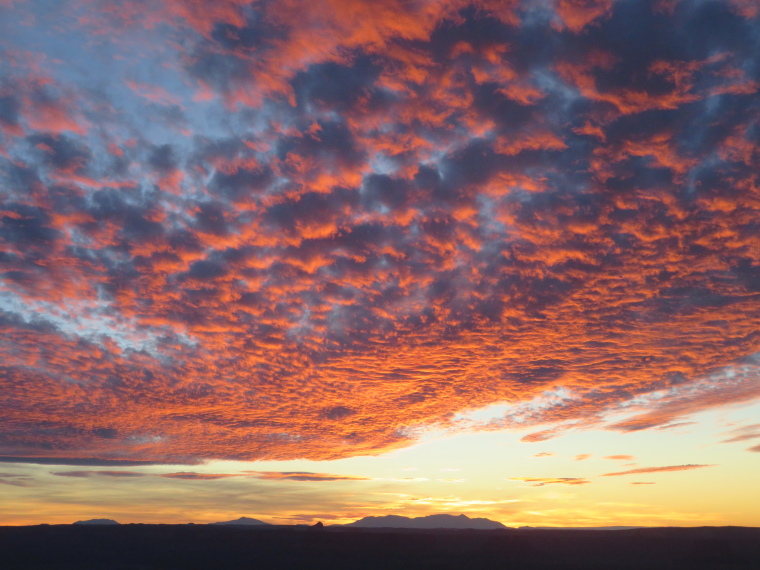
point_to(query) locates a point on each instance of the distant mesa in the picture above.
(243, 521)
(97, 521)
(430, 521)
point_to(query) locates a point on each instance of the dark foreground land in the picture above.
(189, 547)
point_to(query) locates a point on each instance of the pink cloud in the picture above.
(656, 470)
(542, 481)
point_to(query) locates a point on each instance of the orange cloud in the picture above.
(576, 14)
(378, 216)
(540, 435)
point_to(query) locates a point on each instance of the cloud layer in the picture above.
(292, 229)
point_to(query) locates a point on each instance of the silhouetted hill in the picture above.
(428, 522)
(98, 521)
(243, 521)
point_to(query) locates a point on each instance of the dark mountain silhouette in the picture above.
(97, 521)
(243, 521)
(430, 521)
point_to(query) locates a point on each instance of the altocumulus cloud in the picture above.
(278, 237)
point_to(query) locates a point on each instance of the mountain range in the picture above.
(441, 521)
(428, 522)
(243, 521)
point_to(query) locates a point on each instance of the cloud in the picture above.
(744, 433)
(642, 483)
(154, 93)
(700, 394)
(193, 476)
(97, 474)
(545, 454)
(542, 435)
(304, 476)
(582, 456)
(542, 481)
(620, 457)
(409, 479)
(276, 237)
(199, 476)
(20, 482)
(308, 518)
(576, 14)
(656, 470)
(676, 425)
(76, 461)
(16, 480)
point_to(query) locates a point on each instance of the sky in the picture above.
(318, 260)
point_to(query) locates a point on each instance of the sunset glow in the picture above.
(310, 260)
